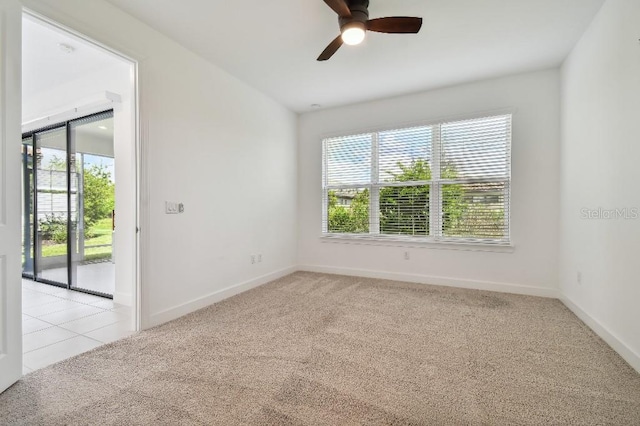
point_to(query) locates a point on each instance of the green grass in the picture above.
(102, 227)
(101, 232)
(54, 250)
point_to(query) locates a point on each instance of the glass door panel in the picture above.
(27, 207)
(93, 174)
(68, 190)
(51, 206)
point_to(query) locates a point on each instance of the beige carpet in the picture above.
(326, 350)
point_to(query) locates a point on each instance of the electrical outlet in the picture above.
(407, 256)
(579, 278)
(259, 257)
(253, 259)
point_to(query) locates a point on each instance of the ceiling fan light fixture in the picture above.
(353, 18)
(353, 33)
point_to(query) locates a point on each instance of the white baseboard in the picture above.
(448, 282)
(611, 339)
(123, 298)
(217, 296)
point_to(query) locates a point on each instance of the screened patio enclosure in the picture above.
(68, 188)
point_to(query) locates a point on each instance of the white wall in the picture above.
(531, 267)
(600, 153)
(210, 141)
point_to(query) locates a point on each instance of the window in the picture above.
(442, 182)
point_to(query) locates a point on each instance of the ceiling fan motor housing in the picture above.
(359, 13)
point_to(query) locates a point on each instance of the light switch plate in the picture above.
(171, 207)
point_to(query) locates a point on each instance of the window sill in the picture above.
(444, 244)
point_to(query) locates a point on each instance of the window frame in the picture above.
(435, 237)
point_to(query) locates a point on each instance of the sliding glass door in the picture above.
(51, 206)
(27, 208)
(68, 189)
(91, 147)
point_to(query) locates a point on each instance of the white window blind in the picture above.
(446, 181)
(403, 190)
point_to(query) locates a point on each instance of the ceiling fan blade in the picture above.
(340, 7)
(331, 48)
(395, 25)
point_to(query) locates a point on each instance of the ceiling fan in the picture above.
(353, 17)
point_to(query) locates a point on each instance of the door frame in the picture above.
(10, 210)
(140, 214)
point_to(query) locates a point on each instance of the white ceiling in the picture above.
(45, 65)
(273, 45)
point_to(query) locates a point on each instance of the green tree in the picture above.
(360, 211)
(99, 194)
(404, 210)
(351, 219)
(454, 202)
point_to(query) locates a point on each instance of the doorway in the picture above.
(79, 191)
(69, 205)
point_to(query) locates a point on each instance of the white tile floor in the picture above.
(59, 323)
(100, 277)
